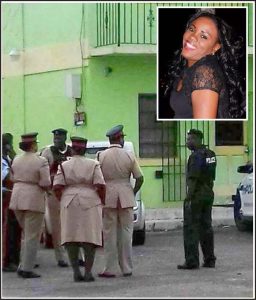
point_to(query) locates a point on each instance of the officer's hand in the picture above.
(187, 204)
(58, 194)
(5, 194)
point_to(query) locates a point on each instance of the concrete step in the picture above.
(165, 219)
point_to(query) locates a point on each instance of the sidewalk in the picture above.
(164, 219)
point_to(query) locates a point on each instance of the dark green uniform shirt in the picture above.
(201, 175)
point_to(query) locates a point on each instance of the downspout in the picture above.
(118, 24)
(23, 69)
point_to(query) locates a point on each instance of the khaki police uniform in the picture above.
(30, 174)
(81, 209)
(117, 166)
(53, 206)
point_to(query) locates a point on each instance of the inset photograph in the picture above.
(202, 63)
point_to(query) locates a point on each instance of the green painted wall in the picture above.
(13, 105)
(113, 99)
(13, 29)
(43, 107)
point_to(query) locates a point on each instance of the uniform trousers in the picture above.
(117, 235)
(197, 228)
(31, 223)
(11, 233)
(5, 208)
(53, 206)
(73, 254)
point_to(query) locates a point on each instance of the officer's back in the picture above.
(116, 163)
(117, 166)
(201, 172)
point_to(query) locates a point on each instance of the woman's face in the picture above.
(200, 39)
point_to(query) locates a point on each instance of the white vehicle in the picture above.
(139, 228)
(243, 200)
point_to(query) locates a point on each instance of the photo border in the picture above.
(197, 6)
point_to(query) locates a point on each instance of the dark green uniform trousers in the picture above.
(197, 227)
(73, 254)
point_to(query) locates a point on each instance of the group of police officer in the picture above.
(77, 186)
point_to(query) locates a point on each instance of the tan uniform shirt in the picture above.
(80, 175)
(117, 165)
(81, 209)
(47, 153)
(30, 172)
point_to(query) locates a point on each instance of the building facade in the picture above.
(89, 66)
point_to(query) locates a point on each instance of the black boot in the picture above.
(89, 254)
(29, 274)
(209, 264)
(78, 277)
(185, 266)
(88, 277)
(72, 250)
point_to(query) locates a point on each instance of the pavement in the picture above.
(165, 219)
(155, 273)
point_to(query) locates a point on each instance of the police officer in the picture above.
(197, 209)
(11, 230)
(31, 176)
(83, 187)
(117, 165)
(55, 154)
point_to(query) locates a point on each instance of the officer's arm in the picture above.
(44, 173)
(101, 190)
(58, 189)
(192, 184)
(194, 176)
(5, 169)
(138, 183)
(137, 174)
(59, 183)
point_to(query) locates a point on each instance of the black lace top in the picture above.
(204, 74)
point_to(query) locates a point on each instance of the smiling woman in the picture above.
(203, 78)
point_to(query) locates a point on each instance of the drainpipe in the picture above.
(23, 69)
(118, 24)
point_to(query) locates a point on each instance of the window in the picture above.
(156, 138)
(229, 133)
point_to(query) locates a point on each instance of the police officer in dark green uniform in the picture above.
(197, 209)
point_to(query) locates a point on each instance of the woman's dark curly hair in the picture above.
(229, 58)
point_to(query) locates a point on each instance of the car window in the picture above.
(91, 152)
(94, 150)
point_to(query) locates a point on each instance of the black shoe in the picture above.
(127, 274)
(81, 263)
(88, 277)
(10, 268)
(78, 278)
(26, 274)
(187, 267)
(62, 263)
(107, 275)
(210, 264)
(19, 272)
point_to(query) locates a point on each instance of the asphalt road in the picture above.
(155, 273)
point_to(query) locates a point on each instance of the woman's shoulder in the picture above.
(206, 74)
(208, 63)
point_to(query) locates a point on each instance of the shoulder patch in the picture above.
(210, 160)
